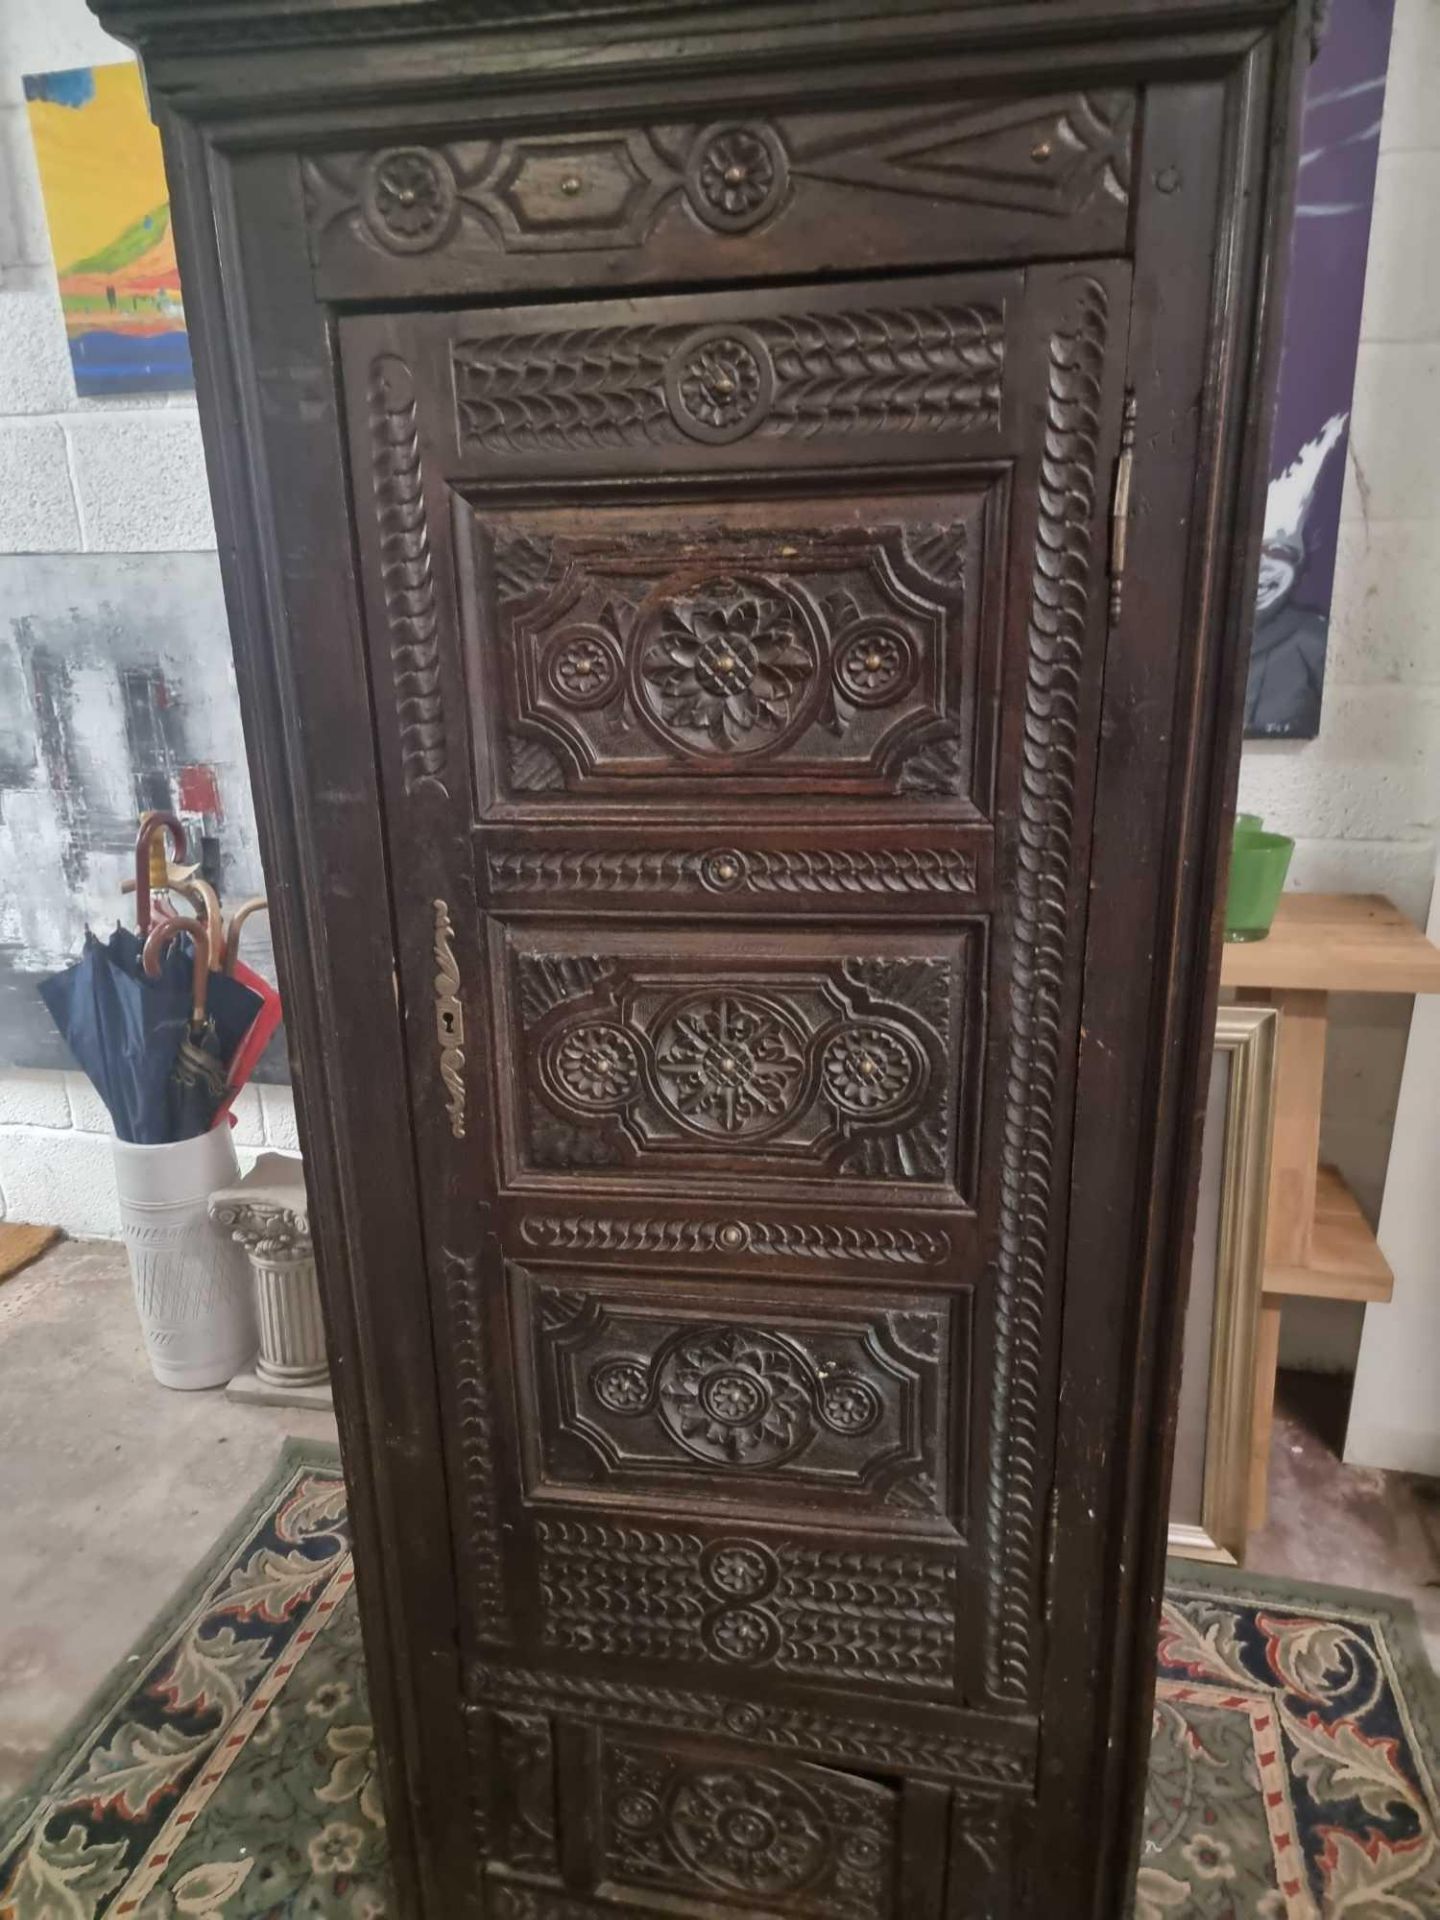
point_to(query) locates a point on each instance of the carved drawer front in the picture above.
(695, 653)
(816, 1059)
(738, 196)
(752, 1603)
(705, 1826)
(679, 1391)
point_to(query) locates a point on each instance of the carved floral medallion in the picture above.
(729, 666)
(853, 1069)
(736, 175)
(408, 198)
(773, 654)
(812, 1843)
(634, 1389)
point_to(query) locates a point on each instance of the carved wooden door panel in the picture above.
(738, 662)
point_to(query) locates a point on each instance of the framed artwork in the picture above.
(108, 210)
(1209, 1488)
(1334, 194)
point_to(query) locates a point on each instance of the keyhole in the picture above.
(447, 1022)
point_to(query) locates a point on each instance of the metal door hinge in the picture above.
(1120, 505)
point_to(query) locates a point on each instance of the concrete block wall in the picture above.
(1363, 800)
(55, 1135)
(122, 476)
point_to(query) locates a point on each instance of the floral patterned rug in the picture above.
(227, 1772)
(1293, 1771)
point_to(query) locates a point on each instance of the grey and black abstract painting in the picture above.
(1340, 140)
(117, 694)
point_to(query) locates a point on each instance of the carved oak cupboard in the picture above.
(735, 523)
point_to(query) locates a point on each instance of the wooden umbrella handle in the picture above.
(159, 938)
(151, 825)
(259, 904)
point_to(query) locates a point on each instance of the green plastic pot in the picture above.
(1248, 823)
(1259, 863)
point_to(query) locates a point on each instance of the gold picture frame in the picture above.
(1209, 1492)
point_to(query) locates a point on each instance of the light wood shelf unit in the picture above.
(1318, 1244)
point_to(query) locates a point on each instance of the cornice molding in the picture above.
(205, 56)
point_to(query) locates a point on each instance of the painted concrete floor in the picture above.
(111, 1488)
(1346, 1526)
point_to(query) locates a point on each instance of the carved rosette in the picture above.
(736, 175)
(409, 198)
(1061, 594)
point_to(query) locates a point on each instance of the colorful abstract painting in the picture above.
(109, 213)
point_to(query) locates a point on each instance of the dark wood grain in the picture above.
(742, 869)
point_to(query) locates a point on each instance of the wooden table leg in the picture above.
(1294, 1166)
(1267, 1359)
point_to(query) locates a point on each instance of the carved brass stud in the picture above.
(570, 184)
(1041, 152)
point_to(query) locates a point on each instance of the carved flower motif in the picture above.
(728, 1066)
(730, 660)
(868, 1070)
(637, 1810)
(597, 1066)
(721, 383)
(749, 1830)
(736, 174)
(850, 1406)
(736, 1396)
(874, 666)
(860, 1852)
(621, 1385)
(744, 1634)
(409, 198)
(738, 1571)
(583, 670)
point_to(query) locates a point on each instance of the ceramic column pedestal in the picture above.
(267, 1213)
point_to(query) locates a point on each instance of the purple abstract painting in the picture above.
(1340, 141)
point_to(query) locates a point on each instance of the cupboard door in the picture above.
(738, 663)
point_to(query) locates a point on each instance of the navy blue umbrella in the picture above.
(156, 1048)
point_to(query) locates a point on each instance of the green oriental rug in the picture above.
(227, 1771)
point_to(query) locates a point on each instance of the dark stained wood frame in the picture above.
(240, 86)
